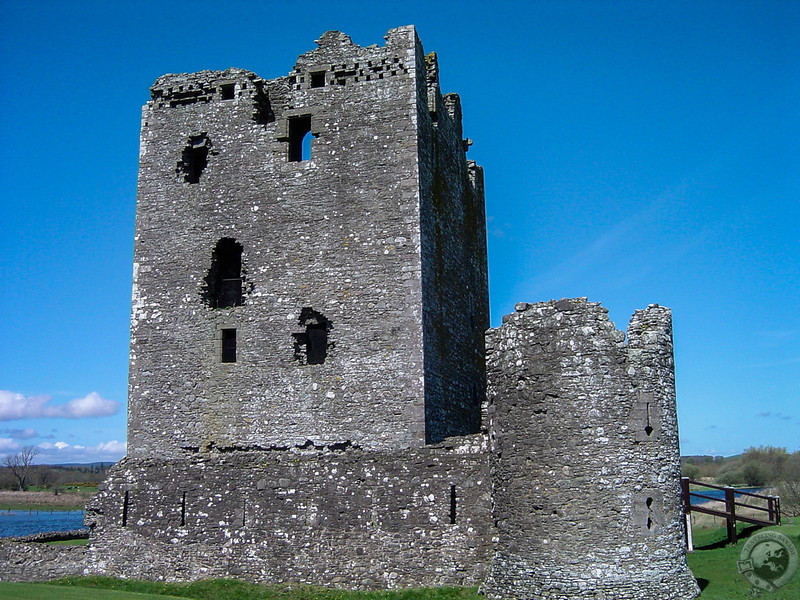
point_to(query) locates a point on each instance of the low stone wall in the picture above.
(30, 562)
(341, 518)
(51, 536)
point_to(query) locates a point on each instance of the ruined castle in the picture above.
(313, 393)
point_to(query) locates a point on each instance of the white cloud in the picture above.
(62, 452)
(17, 406)
(8, 445)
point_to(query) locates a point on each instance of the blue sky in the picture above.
(635, 153)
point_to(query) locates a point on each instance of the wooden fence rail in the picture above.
(771, 511)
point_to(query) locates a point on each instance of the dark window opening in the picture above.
(227, 91)
(318, 79)
(300, 138)
(311, 345)
(125, 510)
(183, 509)
(262, 108)
(452, 505)
(194, 158)
(224, 281)
(648, 429)
(228, 346)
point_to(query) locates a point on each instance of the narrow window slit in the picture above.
(183, 509)
(452, 505)
(125, 501)
(648, 429)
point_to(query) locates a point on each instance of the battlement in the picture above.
(204, 86)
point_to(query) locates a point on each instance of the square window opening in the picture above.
(318, 79)
(228, 346)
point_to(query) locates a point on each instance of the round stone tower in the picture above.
(587, 464)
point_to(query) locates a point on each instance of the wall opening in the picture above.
(224, 280)
(312, 343)
(452, 505)
(317, 79)
(183, 509)
(300, 138)
(125, 502)
(648, 429)
(194, 158)
(228, 346)
(227, 91)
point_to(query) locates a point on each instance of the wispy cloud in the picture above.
(8, 445)
(777, 415)
(20, 434)
(16, 406)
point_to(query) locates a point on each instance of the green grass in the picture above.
(714, 563)
(78, 542)
(25, 506)
(40, 591)
(230, 589)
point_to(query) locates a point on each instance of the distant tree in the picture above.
(730, 477)
(691, 471)
(756, 474)
(44, 476)
(20, 465)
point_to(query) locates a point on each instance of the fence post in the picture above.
(687, 511)
(730, 508)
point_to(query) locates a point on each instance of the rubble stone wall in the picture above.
(344, 518)
(587, 465)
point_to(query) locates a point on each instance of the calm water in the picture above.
(720, 495)
(22, 522)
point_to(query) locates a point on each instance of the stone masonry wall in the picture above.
(343, 518)
(336, 238)
(453, 231)
(35, 561)
(586, 456)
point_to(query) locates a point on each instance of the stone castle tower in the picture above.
(310, 257)
(309, 397)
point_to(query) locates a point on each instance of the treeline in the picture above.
(756, 467)
(56, 477)
(763, 467)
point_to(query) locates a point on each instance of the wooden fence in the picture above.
(767, 513)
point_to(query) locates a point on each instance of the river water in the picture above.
(720, 494)
(23, 522)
